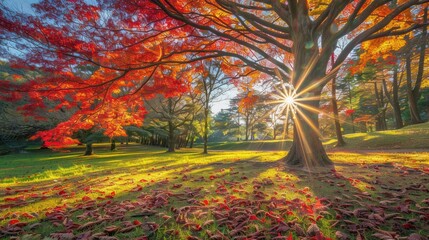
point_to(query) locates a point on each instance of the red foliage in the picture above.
(349, 112)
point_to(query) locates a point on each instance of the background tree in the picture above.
(413, 90)
(226, 123)
(170, 114)
(212, 82)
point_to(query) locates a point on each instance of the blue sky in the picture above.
(20, 5)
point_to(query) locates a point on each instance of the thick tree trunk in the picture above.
(88, 150)
(308, 79)
(307, 151)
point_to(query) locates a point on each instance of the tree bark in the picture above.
(112, 145)
(381, 111)
(393, 98)
(191, 145)
(308, 79)
(171, 139)
(340, 140)
(88, 150)
(307, 151)
(414, 92)
(206, 129)
(246, 138)
(274, 132)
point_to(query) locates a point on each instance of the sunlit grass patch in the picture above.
(210, 190)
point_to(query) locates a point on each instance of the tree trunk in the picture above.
(381, 114)
(88, 150)
(286, 128)
(191, 145)
(206, 129)
(307, 151)
(246, 137)
(308, 79)
(112, 145)
(394, 98)
(414, 92)
(274, 132)
(340, 140)
(171, 139)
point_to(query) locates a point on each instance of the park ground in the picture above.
(378, 190)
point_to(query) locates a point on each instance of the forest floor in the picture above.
(140, 192)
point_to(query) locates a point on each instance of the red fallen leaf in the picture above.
(253, 217)
(86, 198)
(27, 215)
(224, 206)
(8, 188)
(290, 237)
(177, 185)
(138, 188)
(87, 225)
(15, 199)
(415, 236)
(64, 236)
(341, 236)
(382, 236)
(112, 194)
(142, 238)
(143, 180)
(111, 229)
(172, 232)
(62, 192)
(205, 202)
(197, 227)
(408, 226)
(137, 222)
(192, 238)
(313, 230)
(13, 221)
(212, 177)
(208, 222)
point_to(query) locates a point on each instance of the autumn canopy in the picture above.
(100, 60)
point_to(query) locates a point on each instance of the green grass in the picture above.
(53, 189)
(410, 137)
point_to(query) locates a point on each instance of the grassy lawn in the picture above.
(410, 137)
(141, 192)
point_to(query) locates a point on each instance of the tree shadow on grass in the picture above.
(185, 184)
(175, 199)
(363, 198)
